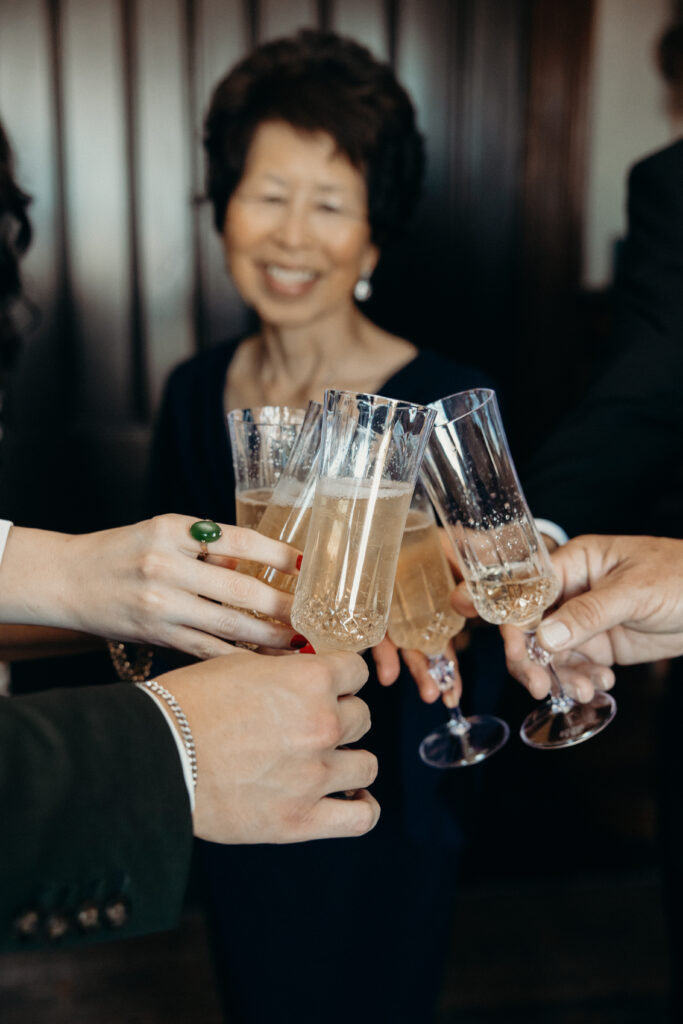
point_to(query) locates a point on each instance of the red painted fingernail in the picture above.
(299, 560)
(308, 649)
(298, 641)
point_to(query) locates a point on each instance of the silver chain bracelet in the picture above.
(181, 719)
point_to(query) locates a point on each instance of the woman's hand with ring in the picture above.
(144, 583)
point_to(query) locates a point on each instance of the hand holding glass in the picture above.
(470, 476)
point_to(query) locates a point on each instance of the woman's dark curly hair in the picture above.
(15, 238)
(318, 81)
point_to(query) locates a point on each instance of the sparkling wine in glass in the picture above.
(287, 514)
(261, 439)
(471, 479)
(423, 619)
(371, 450)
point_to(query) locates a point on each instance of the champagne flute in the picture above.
(422, 619)
(287, 515)
(371, 449)
(261, 439)
(470, 477)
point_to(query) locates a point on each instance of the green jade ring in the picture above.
(205, 531)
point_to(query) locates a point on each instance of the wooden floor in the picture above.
(587, 951)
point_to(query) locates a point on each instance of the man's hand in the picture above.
(268, 733)
(622, 602)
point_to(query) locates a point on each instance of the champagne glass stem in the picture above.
(560, 701)
(442, 671)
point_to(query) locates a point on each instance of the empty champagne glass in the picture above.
(423, 619)
(261, 439)
(470, 476)
(370, 454)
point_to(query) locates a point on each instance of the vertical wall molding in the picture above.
(560, 37)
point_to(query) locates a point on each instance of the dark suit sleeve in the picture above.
(606, 468)
(96, 823)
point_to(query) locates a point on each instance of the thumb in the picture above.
(585, 616)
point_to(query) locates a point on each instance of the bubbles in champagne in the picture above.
(421, 616)
(344, 592)
(282, 520)
(510, 594)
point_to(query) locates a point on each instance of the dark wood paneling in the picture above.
(366, 20)
(277, 19)
(162, 125)
(97, 201)
(221, 30)
(552, 209)
(450, 285)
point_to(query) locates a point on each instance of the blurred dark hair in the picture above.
(318, 81)
(15, 238)
(670, 55)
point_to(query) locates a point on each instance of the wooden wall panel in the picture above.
(414, 278)
(551, 209)
(219, 36)
(97, 202)
(278, 19)
(164, 188)
(365, 20)
(486, 142)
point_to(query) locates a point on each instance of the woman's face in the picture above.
(296, 231)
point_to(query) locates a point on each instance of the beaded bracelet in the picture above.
(181, 719)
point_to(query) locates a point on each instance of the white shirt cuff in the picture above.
(552, 530)
(184, 759)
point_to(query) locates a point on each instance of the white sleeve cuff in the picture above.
(5, 527)
(552, 530)
(184, 759)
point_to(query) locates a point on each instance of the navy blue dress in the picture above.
(335, 930)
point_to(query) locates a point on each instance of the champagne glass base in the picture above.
(568, 722)
(452, 746)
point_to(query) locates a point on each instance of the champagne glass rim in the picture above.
(397, 403)
(483, 397)
(269, 415)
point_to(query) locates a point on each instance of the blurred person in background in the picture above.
(315, 165)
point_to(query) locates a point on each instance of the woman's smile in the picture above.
(288, 282)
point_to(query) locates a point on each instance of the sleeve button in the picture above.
(56, 926)
(116, 912)
(26, 924)
(88, 917)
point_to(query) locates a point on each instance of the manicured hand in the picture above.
(144, 583)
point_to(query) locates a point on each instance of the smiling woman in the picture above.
(314, 167)
(296, 234)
